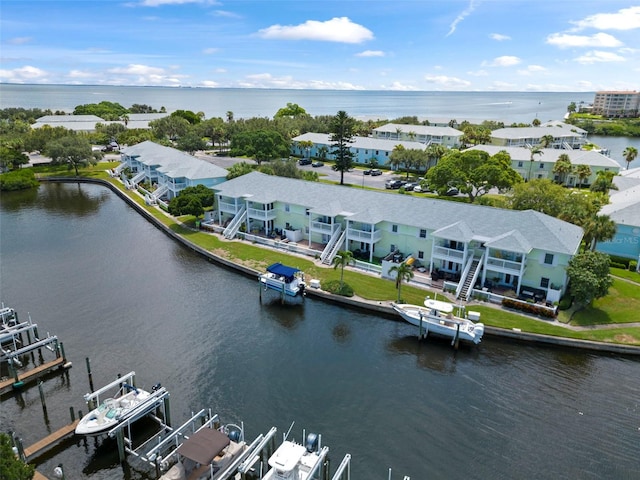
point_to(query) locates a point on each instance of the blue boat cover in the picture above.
(279, 269)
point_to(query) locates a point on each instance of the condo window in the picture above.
(394, 228)
(548, 258)
(420, 254)
(520, 164)
(544, 282)
(423, 233)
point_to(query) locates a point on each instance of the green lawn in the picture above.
(618, 307)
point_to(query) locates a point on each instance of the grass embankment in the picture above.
(618, 307)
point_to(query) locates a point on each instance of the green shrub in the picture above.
(333, 286)
(528, 308)
(633, 265)
(18, 180)
(623, 266)
(619, 261)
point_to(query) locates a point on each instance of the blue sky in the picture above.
(454, 45)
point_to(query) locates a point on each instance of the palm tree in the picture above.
(125, 118)
(583, 172)
(563, 167)
(534, 151)
(403, 272)
(342, 259)
(229, 116)
(599, 229)
(435, 152)
(630, 154)
(546, 140)
(322, 152)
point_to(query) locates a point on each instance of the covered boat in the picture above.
(286, 280)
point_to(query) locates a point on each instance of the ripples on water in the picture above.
(115, 289)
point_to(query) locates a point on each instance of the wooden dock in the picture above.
(31, 375)
(38, 476)
(50, 440)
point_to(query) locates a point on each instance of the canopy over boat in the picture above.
(204, 445)
(443, 307)
(282, 270)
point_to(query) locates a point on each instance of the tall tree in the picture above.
(403, 273)
(541, 195)
(630, 154)
(534, 150)
(342, 259)
(599, 229)
(589, 277)
(342, 132)
(583, 172)
(603, 182)
(11, 467)
(292, 110)
(435, 152)
(562, 168)
(73, 150)
(546, 140)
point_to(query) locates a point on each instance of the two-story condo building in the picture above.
(565, 136)
(426, 134)
(170, 169)
(364, 149)
(519, 250)
(542, 165)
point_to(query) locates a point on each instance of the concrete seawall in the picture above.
(380, 308)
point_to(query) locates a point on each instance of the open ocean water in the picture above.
(508, 107)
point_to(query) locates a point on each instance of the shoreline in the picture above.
(381, 308)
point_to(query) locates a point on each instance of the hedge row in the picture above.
(528, 307)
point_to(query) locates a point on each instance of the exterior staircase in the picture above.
(234, 226)
(153, 197)
(335, 249)
(330, 244)
(470, 278)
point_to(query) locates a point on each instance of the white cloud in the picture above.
(466, 12)
(504, 61)
(226, 14)
(500, 85)
(596, 56)
(157, 3)
(220, 70)
(23, 74)
(532, 69)
(267, 80)
(399, 87)
(499, 37)
(210, 51)
(136, 69)
(19, 40)
(335, 30)
(209, 83)
(80, 74)
(601, 40)
(624, 19)
(370, 53)
(478, 73)
(445, 81)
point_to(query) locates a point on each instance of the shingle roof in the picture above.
(551, 155)
(624, 206)
(419, 130)
(485, 223)
(538, 132)
(512, 241)
(367, 143)
(172, 162)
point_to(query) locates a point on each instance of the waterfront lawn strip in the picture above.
(621, 305)
(628, 274)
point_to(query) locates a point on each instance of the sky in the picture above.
(416, 45)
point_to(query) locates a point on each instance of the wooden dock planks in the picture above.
(50, 440)
(32, 374)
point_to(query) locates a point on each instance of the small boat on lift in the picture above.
(437, 318)
(292, 461)
(288, 281)
(112, 411)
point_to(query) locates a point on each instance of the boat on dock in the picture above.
(437, 318)
(293, 461)
(288, 281)
(8, 318)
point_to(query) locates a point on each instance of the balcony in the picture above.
(325, 228)
(229, 207)
(364, 236)
(448, 253)
(501, 265)
(260, 214)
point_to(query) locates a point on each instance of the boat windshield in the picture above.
(443, 307)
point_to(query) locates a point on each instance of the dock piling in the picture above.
(42, 399)
(88, 362)
(72, 414)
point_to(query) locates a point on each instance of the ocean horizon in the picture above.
(505, 106)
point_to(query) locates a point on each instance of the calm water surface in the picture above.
(114, 288)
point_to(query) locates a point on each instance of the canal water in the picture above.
(113, 288)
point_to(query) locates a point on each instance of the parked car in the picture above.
(452, 192)
(304, 161)
(366, 172)
(111, 147)
(375, 172)
(410, 186)
(392, 184)
(317, 164)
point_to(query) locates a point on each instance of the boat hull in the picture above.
(110, 413)
(446, 326)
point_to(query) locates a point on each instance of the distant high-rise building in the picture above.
(617, 104)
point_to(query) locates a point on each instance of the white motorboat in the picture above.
(283, 279)
(111, 411)
(437, 318)
(292, 461)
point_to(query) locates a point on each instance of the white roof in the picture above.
(551, 155)
(538, 132)
(419, 130)
(366, 143)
